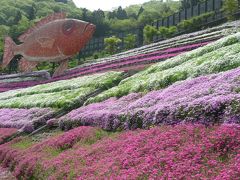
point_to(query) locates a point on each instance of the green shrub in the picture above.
(167, 32)
(230, 7)
(111, 44)
(130, 41)
(149, 32)
(194, 23)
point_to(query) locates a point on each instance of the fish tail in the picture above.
(8, 51)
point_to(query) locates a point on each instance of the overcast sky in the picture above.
(106, 4)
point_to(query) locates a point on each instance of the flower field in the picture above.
(105, 115)
(60, 94)
(218, 56)
(155, 56)
(25, 119)
(6, 132)
(16, 81)
(177, 119)
(211, 99)
(180, 151)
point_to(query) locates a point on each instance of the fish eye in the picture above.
(68, 27)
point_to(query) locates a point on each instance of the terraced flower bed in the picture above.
(25, 119)
(6, 132)
(138, 59)
(183, 40)
(17, 85)
(60, 94)
(105, 114)
(30, 108)
(183, 151)
(22, 80)
(218, 56)
(212, 99)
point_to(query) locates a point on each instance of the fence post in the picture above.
(140, 36)
(206, 7)
(173, 19)
(185, 13)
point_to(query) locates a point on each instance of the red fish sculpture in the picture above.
(53, 39)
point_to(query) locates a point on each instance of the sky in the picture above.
(106, 4)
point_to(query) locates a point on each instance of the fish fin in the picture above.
(26, 66)
(43, 21)
(8, 51)
(61, 68)
(46, 42)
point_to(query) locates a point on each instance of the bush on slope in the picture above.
(221, 55)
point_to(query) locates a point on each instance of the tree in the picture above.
(121, 13)
(63, 1)
(99, 15)
(230, 7)
(111, 44)
(84, 14)
(147, 17)
(18, 17)
(3, 19)
(98, 18)
(189, 3)
(140, 11)
(130, 41)
(149, 32)
(3, 32)
(111, 15)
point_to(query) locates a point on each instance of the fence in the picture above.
(97, 44)
(204, 7)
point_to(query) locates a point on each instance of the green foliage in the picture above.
(111, 44)
(230, 7)
(24, 143)
(189, 3)
(3, 32)
(100, 54)
(149, 32)
(148, 16)
(193, 23)
(121, 13)
(130, 41)
(17, 30)
(167, 32)
(123, 25)
(152, 10)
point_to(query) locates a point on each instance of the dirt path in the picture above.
(5, 174)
